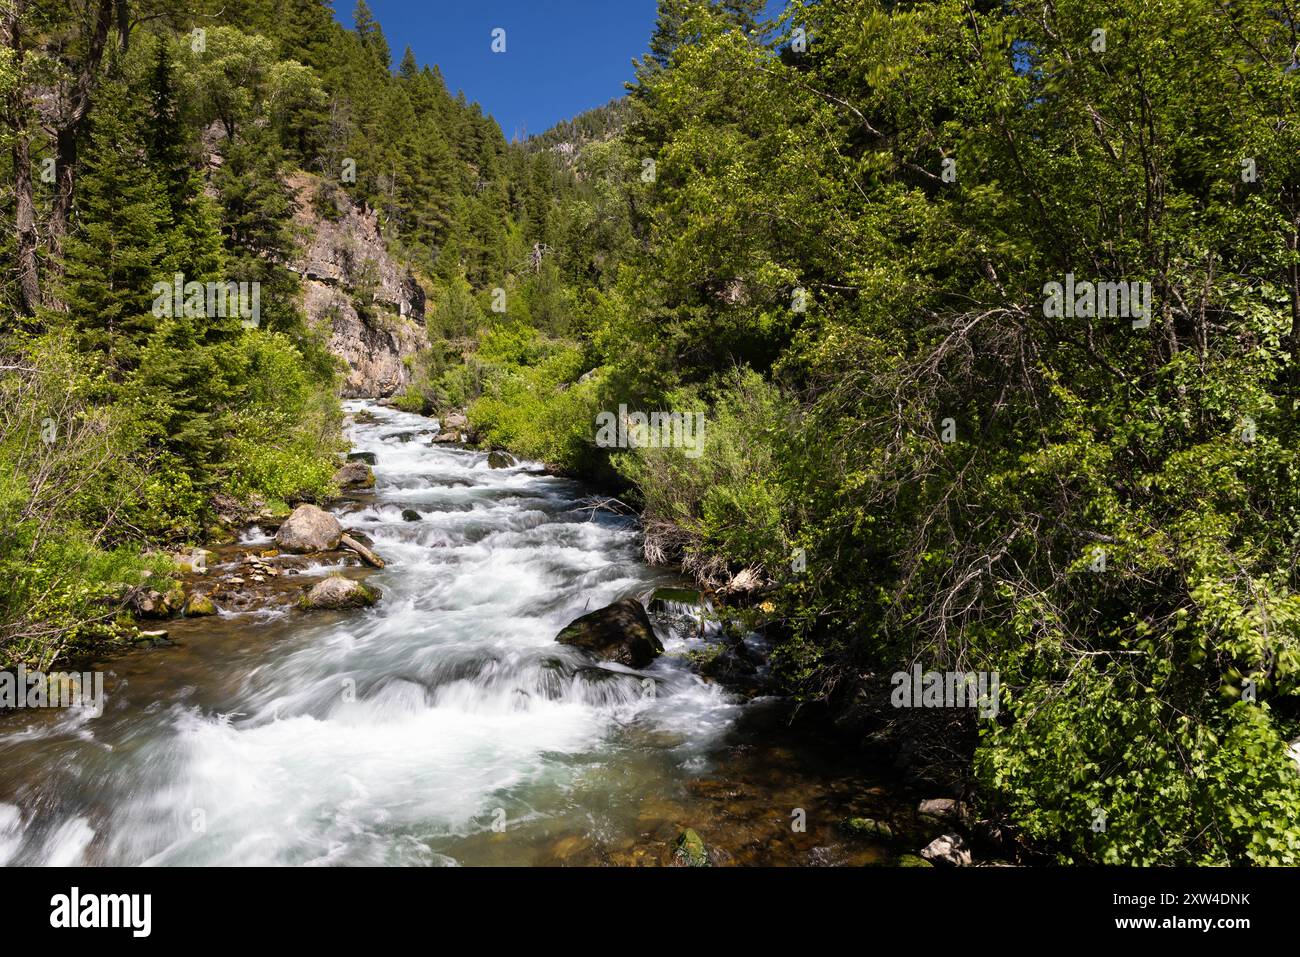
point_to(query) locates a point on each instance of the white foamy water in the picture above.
(442, 726)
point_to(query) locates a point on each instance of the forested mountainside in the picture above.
(992, 312)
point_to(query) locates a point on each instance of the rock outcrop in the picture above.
(345, 264)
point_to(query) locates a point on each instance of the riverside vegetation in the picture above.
(831, 233)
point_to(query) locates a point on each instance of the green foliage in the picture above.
(159, 419)
(1114, 527)
(532, 403)
(1107, 515)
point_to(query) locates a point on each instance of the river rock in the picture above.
(869, 827)
(943, 808)
(156, 604)
(339, 592)
(411, 515)
(689, 850)
(619, 632)
(947, 849)
(354, 475)
(453, 420)
(309, 529)
(199, 605)
(498, 459)
(367, 457)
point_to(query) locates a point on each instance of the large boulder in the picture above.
(309, 529)
(453, 420)
(354, 475)
(339, 592)
(619, 632)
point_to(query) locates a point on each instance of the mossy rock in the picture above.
(663, 598)
(689, 850)
(498, 459)
(912, 860)
(869, 827)
(199, 605)
(337, 592)
(354, 475)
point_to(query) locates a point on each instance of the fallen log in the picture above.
(367, 556)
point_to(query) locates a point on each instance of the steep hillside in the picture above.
(371, 306)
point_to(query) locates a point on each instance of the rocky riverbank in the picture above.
(774, 785)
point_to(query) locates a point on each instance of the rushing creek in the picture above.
(442, 726)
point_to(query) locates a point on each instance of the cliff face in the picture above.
(372, 306)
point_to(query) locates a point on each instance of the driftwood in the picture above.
(367, 556)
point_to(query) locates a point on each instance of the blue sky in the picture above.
(562, 56)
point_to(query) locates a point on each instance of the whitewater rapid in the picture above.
(442, 726)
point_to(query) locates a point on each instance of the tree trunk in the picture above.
(29, 286)
(68, 131)
(17, 116)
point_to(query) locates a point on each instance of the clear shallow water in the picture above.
(442, 726)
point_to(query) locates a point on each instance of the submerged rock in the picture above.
(498, 459)
(663, 599)
(339, 592)
(689, 850)
(411, 515)
(309, 529)
(354, 475)
(619, 632)
(868, 827)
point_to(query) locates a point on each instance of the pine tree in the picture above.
(257, 211)
(371, 34)
(194, 237)
(118, 249)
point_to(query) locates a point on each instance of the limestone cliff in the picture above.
(370, 304)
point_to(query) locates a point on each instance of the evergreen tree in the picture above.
(119, 248)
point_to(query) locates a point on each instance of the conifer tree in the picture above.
(118, 249)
